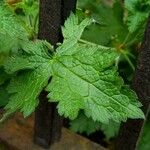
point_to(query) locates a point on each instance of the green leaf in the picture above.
(109, 25)
(136, 20)
(72, 32)
(4, 95)
(27, 85)
(85, 78)
(72, 29)
(29, 7)
(110, 130)
(6, 43)
(3, 76)
(138, 11)
(83, 124)
(35, 55)
(28, 12)
(11, 30)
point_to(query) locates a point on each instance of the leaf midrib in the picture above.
(93, 85)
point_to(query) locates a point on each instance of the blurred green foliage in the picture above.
(144, 143)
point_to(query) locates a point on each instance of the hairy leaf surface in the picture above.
(27, 85)
(85, 80)
(83, 124)
(138, 11)
(85, 77)
(12, 32)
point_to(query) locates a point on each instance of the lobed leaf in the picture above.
(27, 85)
(34, 55)
(83, 124)
(88, 80)
(138, 11)
(85, 78)
(12, 33)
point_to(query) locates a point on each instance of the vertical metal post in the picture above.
(48, 123)
(131, 130)
(67, 7)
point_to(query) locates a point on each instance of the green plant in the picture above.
(113, 24)
(84, 71)
(144, 141)
(83, 124)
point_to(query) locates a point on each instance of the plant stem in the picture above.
(30, 20)
(94, 44)
(126, 39)
(35, 22)
(129, 61)
(5, 117)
